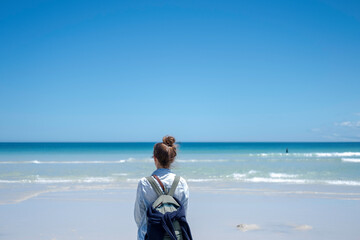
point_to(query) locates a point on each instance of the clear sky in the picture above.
(254, 70)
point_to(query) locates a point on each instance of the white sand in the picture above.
(223, 211)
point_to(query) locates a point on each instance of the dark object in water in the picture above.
(287, 150)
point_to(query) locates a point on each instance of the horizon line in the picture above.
(180, 142)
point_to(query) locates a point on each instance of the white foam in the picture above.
(354, 160)
(269, 154)
(42, 180)
(338, 154)
(14, 181)
(341, 182)
(301, 181)
(237, 176)
(200, 160)
(240, 176)
(319, 154)
(133, 179)
(97, 180)
(282, 175)
(307, 154)
(252, 172)
(64, 162)
(79, 180)
(275, 180)
(204, 180)
(346, 158)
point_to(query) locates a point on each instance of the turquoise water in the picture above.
(305, 163)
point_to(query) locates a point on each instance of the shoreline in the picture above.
(216, 211)
(18, 192)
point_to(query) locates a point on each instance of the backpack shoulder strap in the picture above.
(153, 184)
(174, 185)
(161, 184)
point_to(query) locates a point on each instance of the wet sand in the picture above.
(216, 211)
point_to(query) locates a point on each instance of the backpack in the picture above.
(166, 203)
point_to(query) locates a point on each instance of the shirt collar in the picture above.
(161, 171)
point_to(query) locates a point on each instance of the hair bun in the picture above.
(168, 140)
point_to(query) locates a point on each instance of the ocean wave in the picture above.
(301, 181)
(339, 154)
(242, 178)
(319, 154)
(342, 182)
(65, 162)
(200, 160)
(237, 175)
(282, 175)
(204, 179)
(62, 180)
(284, 178)
(133, 180)
(354, 160)
(346, 157)
(275, 180)
(14, 181)
(279, 154)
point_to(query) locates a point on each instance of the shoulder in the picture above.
(182, 191)
(143, 182)
(183, 182)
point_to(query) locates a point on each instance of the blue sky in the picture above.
(200, 70)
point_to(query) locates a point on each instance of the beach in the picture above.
(254, 103)
(244, 211)
(237, 191)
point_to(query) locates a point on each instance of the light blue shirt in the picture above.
(146, 196)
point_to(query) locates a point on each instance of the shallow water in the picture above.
(305, 163)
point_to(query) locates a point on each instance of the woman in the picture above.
(164, 156)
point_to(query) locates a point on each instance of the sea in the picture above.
(300, 163)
